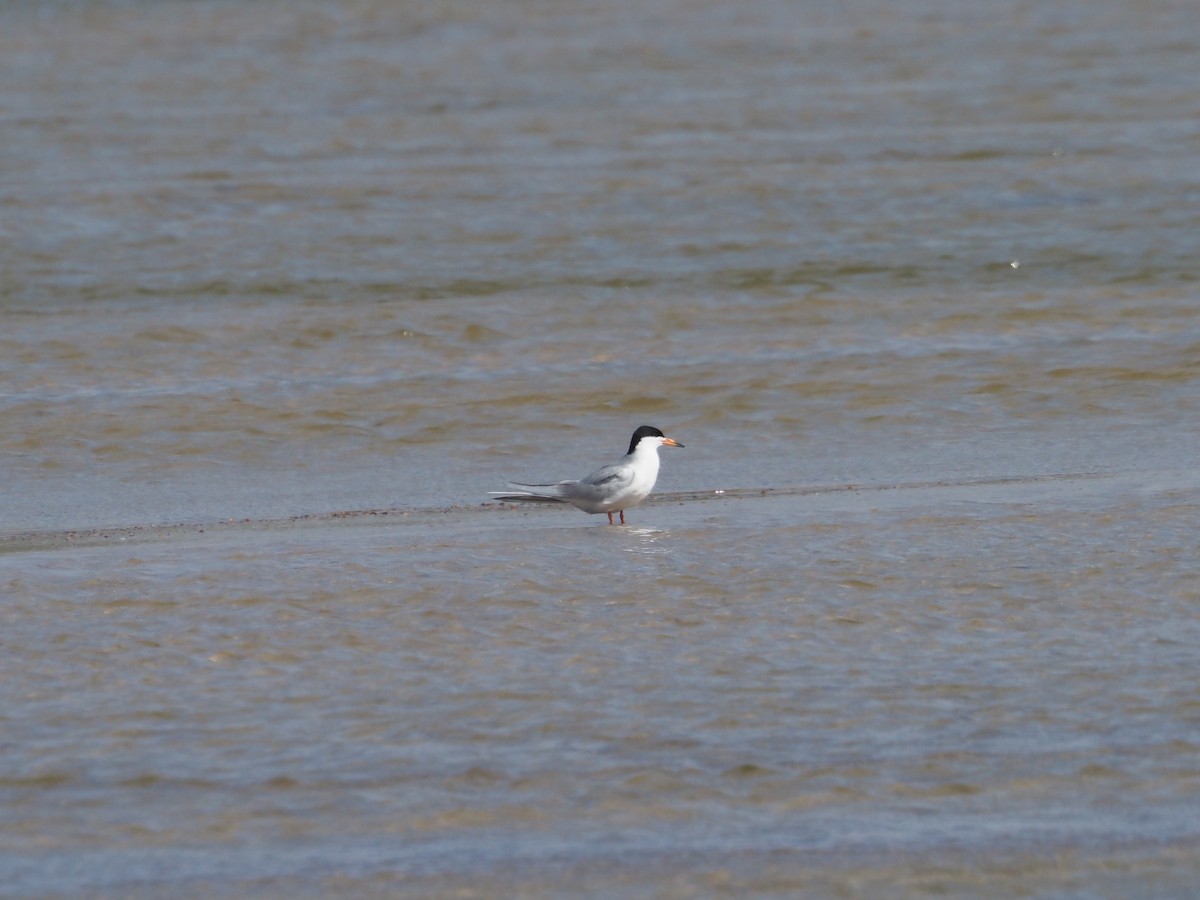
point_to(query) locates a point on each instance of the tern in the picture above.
(610, 489)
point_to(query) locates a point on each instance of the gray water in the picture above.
(287, 288)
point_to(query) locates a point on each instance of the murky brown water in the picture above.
(285, 289)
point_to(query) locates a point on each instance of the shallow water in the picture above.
(287, 288)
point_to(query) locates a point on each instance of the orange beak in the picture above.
(671, 442)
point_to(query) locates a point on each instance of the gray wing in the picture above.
(593, 494)
(601, 486)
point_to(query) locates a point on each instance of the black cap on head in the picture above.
(644, 431)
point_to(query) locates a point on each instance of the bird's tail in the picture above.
(531, 493)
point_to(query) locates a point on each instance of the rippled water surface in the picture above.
(287, 288)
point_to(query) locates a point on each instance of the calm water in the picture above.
(286, 288)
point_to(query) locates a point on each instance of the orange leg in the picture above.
(622, 517)
(610, 518)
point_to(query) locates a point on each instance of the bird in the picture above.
(610, 489)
